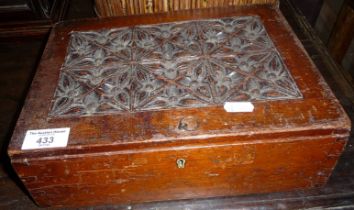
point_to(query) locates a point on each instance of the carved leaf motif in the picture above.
(182, 64)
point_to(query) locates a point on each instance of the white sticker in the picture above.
(46, 138)
(238, 107)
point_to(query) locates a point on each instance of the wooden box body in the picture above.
(126, 156)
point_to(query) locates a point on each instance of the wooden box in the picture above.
(144, 98)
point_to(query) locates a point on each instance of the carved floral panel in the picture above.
(173, 65)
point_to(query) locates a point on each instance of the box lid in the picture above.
(145, 81)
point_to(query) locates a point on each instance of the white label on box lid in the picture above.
(46, 138)
(238, 106)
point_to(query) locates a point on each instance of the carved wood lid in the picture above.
(160, 80)
(181, 64)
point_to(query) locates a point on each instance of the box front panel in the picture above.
(179, 173)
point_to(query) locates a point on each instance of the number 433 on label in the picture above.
(46, 138)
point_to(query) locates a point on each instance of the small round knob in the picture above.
(181, 163)
(188, 124)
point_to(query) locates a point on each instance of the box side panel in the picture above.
(208, 170)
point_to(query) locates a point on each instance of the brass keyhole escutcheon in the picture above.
(181, 163)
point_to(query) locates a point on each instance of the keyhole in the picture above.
(188, 124)
(181, 163)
